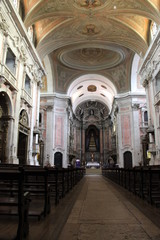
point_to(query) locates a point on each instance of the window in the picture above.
(146, 118)
(157, 84)
(11, 61)
(40, 119)
(28, 84)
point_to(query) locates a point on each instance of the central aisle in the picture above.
(102, 213)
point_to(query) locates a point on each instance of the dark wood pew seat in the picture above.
(14, 200)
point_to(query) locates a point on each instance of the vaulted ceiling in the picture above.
(84, 37)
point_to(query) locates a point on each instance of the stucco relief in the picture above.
(90, 30)
(89, 3)
(151, 64)
(91, 111)
(3, 24)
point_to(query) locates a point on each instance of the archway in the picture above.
(4, 126)
(58, 159)
(23, 137)
(92, 144)
(127, 159)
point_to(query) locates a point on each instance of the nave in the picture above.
(102, 211)
(95, 209)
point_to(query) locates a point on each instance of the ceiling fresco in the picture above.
(91, 36)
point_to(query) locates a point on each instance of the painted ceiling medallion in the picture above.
(91, 58)
(90, 29)
(92, 88)
(89, 3)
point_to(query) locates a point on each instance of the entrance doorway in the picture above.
(128, 159)
(23, 137)
(58, 159)
(22, 148)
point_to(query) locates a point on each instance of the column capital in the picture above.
(49, 108)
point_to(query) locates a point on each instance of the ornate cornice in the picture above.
(3, 24)
(145, 83)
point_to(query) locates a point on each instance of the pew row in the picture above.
(143, 182)
(14, 200)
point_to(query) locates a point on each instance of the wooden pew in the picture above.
(141, 181)
(14, 200)
(53, 176)
(36, 183)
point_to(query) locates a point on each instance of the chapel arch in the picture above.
(23, 137)
(5, 125)
(92, 143)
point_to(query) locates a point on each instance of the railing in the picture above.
(8, 76)
(143, 182)
(27, 98)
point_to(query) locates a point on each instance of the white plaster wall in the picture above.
(60, 109)
(49, 135)
(137, 152)
(128, 108)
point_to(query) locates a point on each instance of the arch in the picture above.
(135, 79)
(92, 132)
(22, 149)
(58, 158)
(127, 157)
(9, 102)
(105, 90)
(5, 125)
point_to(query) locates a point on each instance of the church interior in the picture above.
(80, 89)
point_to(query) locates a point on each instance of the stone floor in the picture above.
(102, 212)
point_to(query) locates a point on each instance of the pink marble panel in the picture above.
(59, 133)
(126, 130)
(59, 109)
(124, 109)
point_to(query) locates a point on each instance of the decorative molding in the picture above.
(145, 83)
(3, 24)
(2, 80)
(49, 108)
(135, 106)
